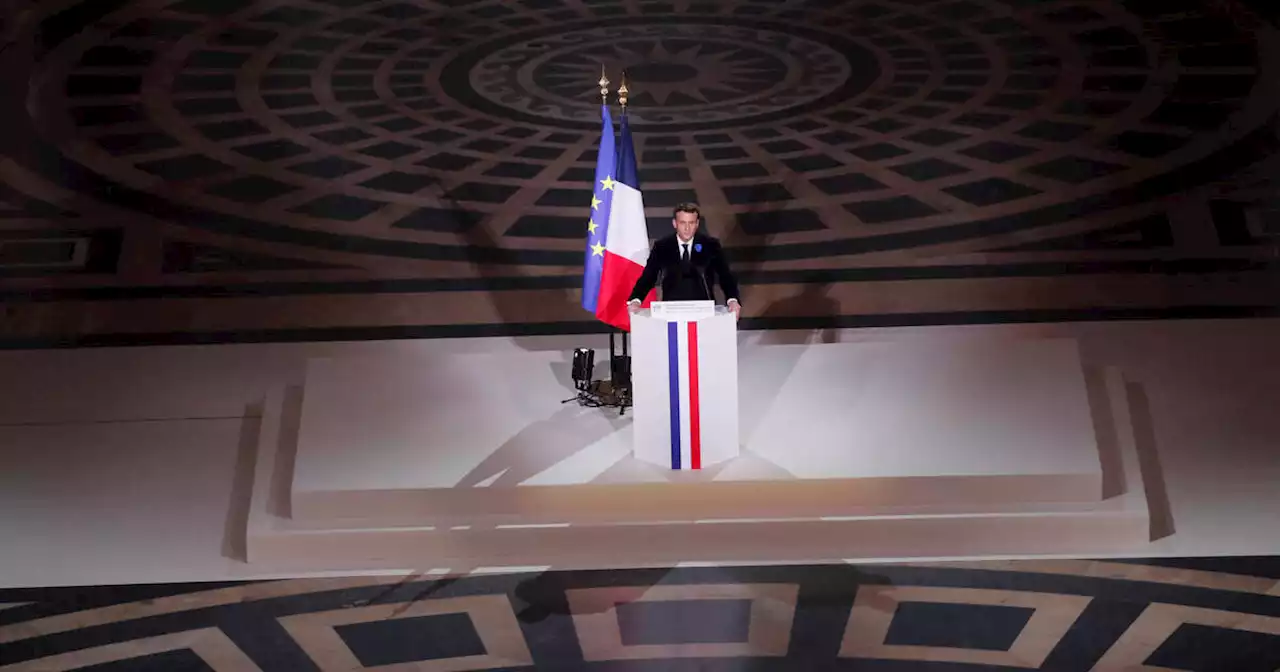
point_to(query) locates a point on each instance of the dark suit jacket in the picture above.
(694, 280)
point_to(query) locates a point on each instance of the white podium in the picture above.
(684, 379)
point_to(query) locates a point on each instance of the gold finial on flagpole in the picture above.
(604, 86)
(623, 91)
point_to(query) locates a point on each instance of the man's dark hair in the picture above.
(686, 207)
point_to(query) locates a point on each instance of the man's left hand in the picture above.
(735, 307)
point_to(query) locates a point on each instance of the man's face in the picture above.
(686, 224)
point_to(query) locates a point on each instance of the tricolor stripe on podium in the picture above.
(686, 424)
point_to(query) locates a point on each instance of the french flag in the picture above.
(617, 237)
(685, 395)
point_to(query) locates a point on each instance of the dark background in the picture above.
(229, 171)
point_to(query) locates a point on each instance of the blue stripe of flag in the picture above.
(627, 172)
(606, 164)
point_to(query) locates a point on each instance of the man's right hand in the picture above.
(633, 306)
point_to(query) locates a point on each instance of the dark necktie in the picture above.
(684, 251)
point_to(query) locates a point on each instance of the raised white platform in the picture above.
(844, 427)
(168, 459)
(855, 450)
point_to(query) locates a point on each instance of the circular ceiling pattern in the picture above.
(467, 131)
(679, 72)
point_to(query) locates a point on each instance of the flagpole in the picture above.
(613, 348)
(623, 92)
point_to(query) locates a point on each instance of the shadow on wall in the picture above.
(499, 270)
(744, 252)
(1144, 436)
(278, 499)
(236, 528)
(811, 308)
(1107, 430)
(484, 249)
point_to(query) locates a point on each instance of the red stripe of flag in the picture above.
(695, 432)
(616, 280)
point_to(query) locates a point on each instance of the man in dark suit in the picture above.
(687, 264)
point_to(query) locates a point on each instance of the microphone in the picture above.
(702, 275)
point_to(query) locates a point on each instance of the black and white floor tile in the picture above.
(1207, 614)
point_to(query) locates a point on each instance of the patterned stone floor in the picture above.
(214, 170)
(1203, 614)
